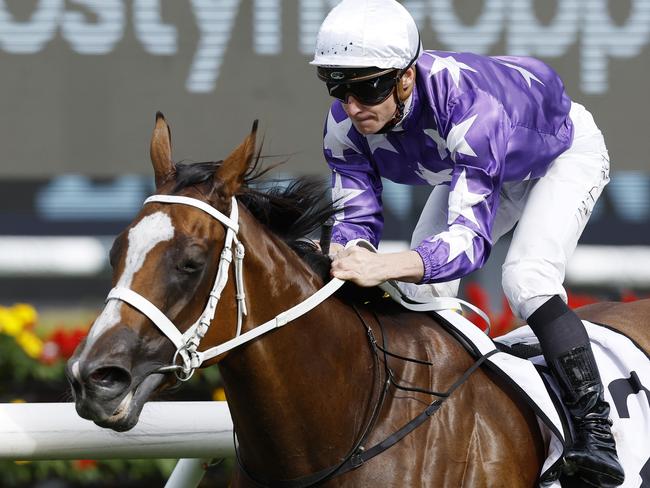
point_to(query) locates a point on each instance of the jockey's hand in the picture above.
(366, 268)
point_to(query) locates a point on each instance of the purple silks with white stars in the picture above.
(474, 123)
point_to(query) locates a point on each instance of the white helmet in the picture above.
(367, 33)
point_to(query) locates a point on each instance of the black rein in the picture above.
(358, 455)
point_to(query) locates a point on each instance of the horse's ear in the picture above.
(161, 150)
(230, 175)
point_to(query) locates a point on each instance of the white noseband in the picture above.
(187, 343)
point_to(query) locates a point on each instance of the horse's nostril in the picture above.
(110, 378)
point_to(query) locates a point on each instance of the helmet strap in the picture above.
(400, 94)
(397, 115)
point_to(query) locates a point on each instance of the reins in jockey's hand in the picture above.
(187, 343)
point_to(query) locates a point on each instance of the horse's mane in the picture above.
(294, 210)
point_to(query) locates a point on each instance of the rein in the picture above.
(358, 455)
(187, 343)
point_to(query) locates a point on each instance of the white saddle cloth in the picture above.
(625, 372)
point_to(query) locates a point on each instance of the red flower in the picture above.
(50, 352)
(84, 464)
(505, 322)
(578, 300)
(67, 340)
(629, 296)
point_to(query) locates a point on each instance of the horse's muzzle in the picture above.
(110, 396)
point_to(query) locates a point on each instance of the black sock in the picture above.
(558, 329)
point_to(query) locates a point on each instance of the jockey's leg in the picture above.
(568, 353)
(556, 211)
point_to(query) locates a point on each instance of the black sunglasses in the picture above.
(368, 92)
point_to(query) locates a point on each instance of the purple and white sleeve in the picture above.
(356, 185)
(476, 133)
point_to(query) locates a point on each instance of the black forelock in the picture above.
(191, 174)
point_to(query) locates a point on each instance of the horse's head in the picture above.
(164, 266)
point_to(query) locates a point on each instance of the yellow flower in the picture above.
(30, 343)
(9, 323)
(18, 400)
(219, 395)
(25, 312)
(21, 463)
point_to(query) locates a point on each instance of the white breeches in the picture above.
(551, 212)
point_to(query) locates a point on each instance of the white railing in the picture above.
(194, 431)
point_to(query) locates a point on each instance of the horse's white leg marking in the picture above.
(151, 230)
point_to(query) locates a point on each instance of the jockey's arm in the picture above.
(478, 154)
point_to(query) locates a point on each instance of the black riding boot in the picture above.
(567, 350)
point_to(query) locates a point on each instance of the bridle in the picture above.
(187, 343)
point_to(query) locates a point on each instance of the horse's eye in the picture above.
(190, 266)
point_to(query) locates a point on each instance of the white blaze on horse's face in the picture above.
(151, 230)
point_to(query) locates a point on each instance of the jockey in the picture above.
(501, 143)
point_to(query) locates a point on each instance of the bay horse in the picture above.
(310, 396)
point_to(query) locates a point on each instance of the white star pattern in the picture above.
(461, 201)
(460, 240)
(340, 195)
(440, 142)
(456, 142)
(523, 72)
(380, 141)
(450, 64)
(432, 177)
(336, 137)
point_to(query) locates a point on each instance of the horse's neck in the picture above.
(292, 389)
(301, 396)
